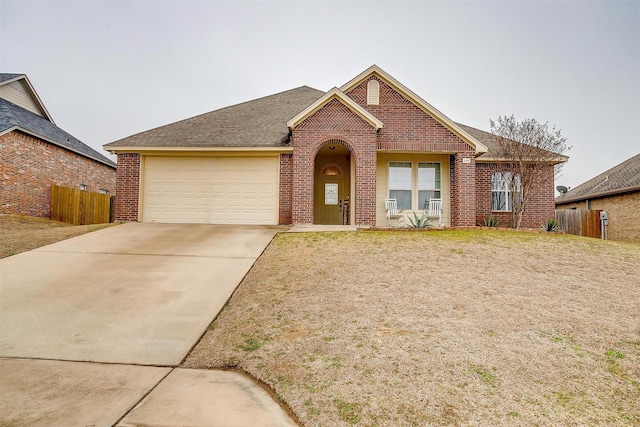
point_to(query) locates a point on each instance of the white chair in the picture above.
(435, 210)
(391, 205)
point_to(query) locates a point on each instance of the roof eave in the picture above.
(57, 144)
(617, 191)
(479, 147)
(155, 149)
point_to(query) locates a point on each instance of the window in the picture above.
(428, 183)
(400, 183)
(103, 191)
(501, 191)
(83, 187)
(421, 179)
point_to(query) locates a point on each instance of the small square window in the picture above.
(83, 187)
(103, 191)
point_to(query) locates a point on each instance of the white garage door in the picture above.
(210, 190)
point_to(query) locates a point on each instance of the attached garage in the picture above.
(210, 190)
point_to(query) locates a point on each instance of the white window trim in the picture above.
(507, 192)
(414, 182)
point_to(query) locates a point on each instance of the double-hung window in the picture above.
(414, 183)
(401, 183)
(502, 185)
(428, 183)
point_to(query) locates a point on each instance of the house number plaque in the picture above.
(331, 194)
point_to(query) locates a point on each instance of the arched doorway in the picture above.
(332, 178)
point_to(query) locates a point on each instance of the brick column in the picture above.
(286, 188)
(127, 187)
(463, 189)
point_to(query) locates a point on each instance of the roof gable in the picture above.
(621, 178)
(479, 147)
(340, 96)
(17, 89)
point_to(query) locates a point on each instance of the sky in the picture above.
(109, 69)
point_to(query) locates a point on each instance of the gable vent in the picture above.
(373, 92)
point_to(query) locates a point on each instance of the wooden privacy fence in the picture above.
(79, 207)
(579, 222)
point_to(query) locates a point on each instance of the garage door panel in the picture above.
(211, 190)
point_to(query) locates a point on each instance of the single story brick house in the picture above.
(303, 155)
(616, 191)
(36, 154)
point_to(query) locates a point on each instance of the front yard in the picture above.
(439, 328)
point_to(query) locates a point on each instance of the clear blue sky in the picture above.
(106, 70)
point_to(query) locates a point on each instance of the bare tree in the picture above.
(525, 151)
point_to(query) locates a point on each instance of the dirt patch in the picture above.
(22, 233)
(450, 328)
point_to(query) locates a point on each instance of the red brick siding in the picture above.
(30, 166)
(406, 126)
(127, 187)
(286, 188)
(623, 211)
(336, 123)
(463, 192)
(539, 208)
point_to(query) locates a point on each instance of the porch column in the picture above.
(302, 198)
(463, 190)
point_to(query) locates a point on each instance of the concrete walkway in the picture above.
(132, 300)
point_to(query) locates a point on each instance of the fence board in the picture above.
(579, 222)
(79, 207)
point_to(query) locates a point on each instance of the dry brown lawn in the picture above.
(478, 327)
(23, 233)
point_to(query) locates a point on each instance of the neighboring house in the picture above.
(298, 156)
(616, 191)
(36, 154)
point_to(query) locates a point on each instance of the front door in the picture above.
(331, 185)
(330, 196)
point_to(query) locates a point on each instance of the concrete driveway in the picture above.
(135, 294)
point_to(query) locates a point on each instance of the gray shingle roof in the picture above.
(15, 117)
(258, 123)
(7, 76)
(622, 178)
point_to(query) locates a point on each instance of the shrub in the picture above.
(491, 221)
(419, 221)
(550, 224)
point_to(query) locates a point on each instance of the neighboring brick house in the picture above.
(36, 154)
(302, 156)
(616, 191)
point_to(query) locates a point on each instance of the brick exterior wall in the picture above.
(127, 187)
(539, 208)
(337, 124)
(286, 188)
(30, 166)
(406, 126)
(624, 224)
(463, 193)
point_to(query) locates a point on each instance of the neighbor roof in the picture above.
(7, 76)
(623, 178)
(258, 123)
(14, 117)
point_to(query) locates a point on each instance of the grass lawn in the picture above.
(23, 233)
(478, 327)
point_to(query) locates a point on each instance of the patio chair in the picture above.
(393, 213)
(434, 210)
